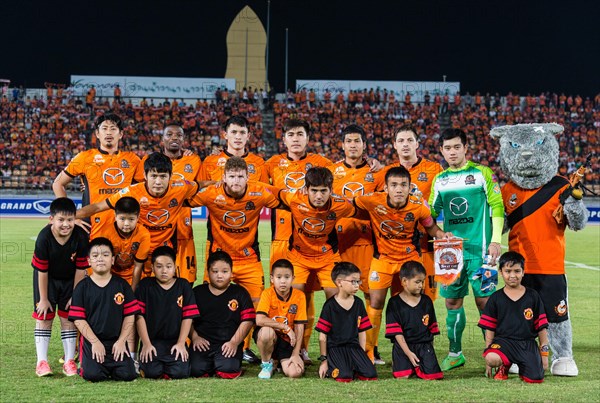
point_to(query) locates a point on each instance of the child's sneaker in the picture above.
(70, 368)
(377, 357)
(266, 370)
(305, 357)
(501, 373)
(43, 368)
(452, 362)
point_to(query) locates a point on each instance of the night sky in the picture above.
(496, 46)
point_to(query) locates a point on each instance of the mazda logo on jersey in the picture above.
(391, 227)
(234, 218)
(158, 217)
(459, 206)
(313, 225)
(113, 176)
(352, 189)
(294, 180)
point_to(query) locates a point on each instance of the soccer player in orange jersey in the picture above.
(234, 211)
(185, 167)
(161, 201)
(394, 217)
(104, 171)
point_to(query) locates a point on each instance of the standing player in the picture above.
(469, 196)
(394, 216)
(104, 171)
(185, 168)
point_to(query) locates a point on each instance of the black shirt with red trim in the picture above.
(418, 324)
(60, 261)
(164, 309)
(221, 315)
(518, 320)
(343, 325)
(104, 308)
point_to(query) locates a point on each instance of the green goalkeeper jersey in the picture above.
(469, 197)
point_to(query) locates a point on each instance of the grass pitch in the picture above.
(18, 381)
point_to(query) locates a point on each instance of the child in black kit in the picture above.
(411, 325)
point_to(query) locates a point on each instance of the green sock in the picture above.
(455, 323)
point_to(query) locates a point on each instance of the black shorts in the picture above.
(553, 291)
(282, 350)
(348, 362)
(59, 294)
(164, 363)
(212, 362)
(428, 367)
(92, 370)
(524, 353)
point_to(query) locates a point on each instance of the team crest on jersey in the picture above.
(422, 177)
(143, 201)
(98, 159)
(220, 199)
(425, 319)
(497, 188)
(187, 221)
(221, 162)
(233, 305)
(369, 177)
(125, 164)
(513, 200)
(173, 203)
(308, 166)
(339, 173)
(119, 298)
(495, 346)
(470, 180)
(188, 169)
(561, 309)
(293, 309)
(250, 206)
(97, 220)
(335, 373)
(332, 216)
(135, 246)
(180, 301)
(381, 210)
(409, 217)
(374, 276)
(339, 228)
(251, 169)
(528, 313)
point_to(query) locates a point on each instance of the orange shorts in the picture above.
(322, 267)
(361, 256)
(279, 250)
(431, 288)
(186, 259)
(383, 272)
(249, 275)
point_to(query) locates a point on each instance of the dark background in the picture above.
(495, 46)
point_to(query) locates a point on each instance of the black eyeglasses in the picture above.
(354, 282)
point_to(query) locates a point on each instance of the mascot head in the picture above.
(529, 152)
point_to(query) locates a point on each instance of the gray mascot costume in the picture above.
(529, 158)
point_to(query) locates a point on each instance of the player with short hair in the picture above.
(103, 310)
(226, 317)
(59, 262)
(512, 319)
(280, 320)
(167, 308)
(411, 324)
(469, 196)
(342, 327)
(104, 171)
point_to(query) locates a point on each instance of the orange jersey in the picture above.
(214, 167)
(538, 237)
(393, 228)
(103, 175)
(233, 223)
(136, 247)
(292, 310)
(285, 173)
(351, 182)
(313, 232)
(158, 214)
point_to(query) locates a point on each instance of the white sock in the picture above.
(451, 354)
(69, 340)
(42, 341)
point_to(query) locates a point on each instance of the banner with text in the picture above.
(151, 87)
(400, 88)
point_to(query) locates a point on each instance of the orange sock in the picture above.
(310, 314)
(373, 333)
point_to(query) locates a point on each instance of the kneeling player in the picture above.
(512, 318)
(167, 307)
(226, 317)
(411, 324)
(280, 319)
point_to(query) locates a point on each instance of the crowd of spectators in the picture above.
(379, 112)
